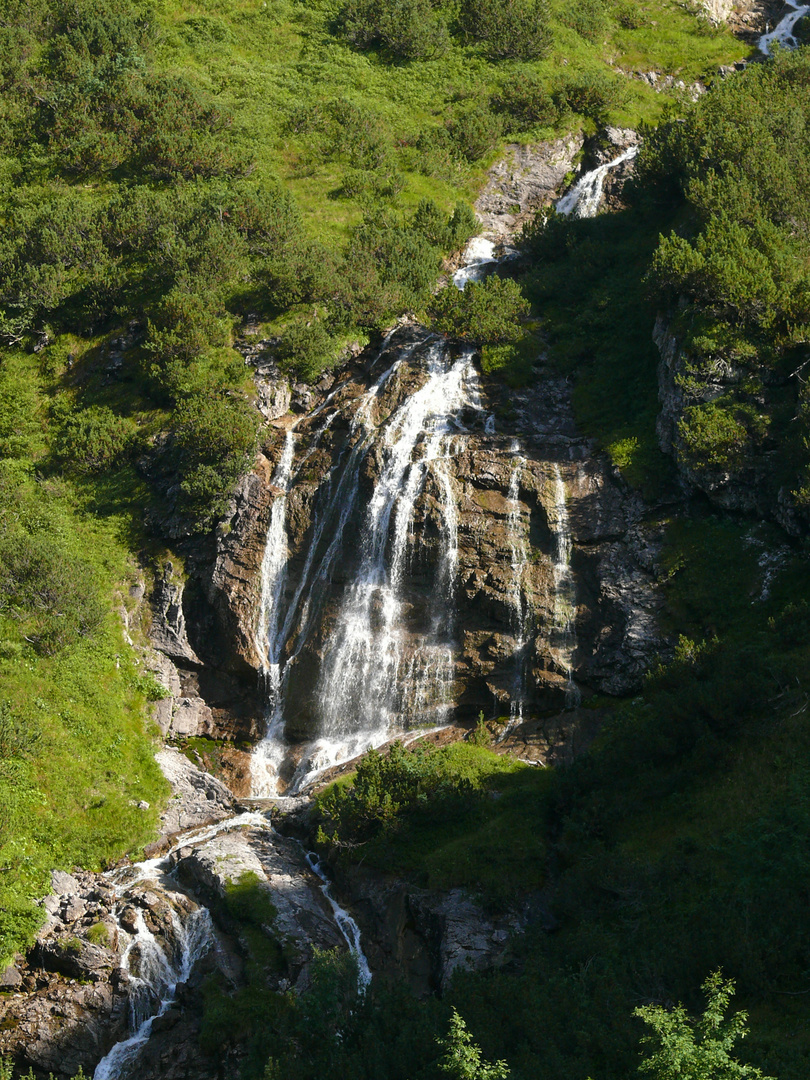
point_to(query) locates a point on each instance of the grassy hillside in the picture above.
(75, 758)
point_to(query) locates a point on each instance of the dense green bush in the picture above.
(527, 101)
(95, 439)
(487, 312)
(590, 93)
(509, 29)
(307, 349)
(589, 18)
(713, 436)
(214, 442)
(410, 29)
(473, 131)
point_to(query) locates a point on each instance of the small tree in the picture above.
(462, 1058)
(687, 1049)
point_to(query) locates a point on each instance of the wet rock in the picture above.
(65, 1033)
(197, 797)
(234, 588)
(74, 957)
(301, 918)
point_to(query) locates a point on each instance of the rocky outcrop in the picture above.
(523, 182)
(614, 616)
(300, 919)
(197, 797)
(236, 570)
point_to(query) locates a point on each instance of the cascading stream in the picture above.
(521, 611)
(155, 970)
(583, 200)
(345, 923)
(339, 500)
(564, 639)
(782, 34)
(362, 693)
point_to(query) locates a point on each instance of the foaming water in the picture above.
(521, 609)
(782, 34)
(345, 923)
(564, 638)
(583, 200)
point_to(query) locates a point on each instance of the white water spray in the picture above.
(583, 200)
(521, 611)
(364, 693)
(564, 639)
(346, 924)
(782, 34)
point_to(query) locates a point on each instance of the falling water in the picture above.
(479, 259)
(335, 508)
(583, 200)
(154, 973)
(153, 981)
(782, 34)
(345, 923)
(521, 611)
(564, 639)
(363, 691)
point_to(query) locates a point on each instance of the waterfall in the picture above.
(153, 980)
(782, 34)
(154, 972)
(274, 571)
(564, 637)
(337, 503)
(363, 692)
(521, 612)
(345, 923)
(582, 201)
(479, 258)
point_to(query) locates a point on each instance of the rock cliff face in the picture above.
(527, 619)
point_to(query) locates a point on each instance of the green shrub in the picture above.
(713, 436)
(410, 29)
(473, 131)
(487, 312)
(94, 440)
(589, 18)
(592, 93)
(214, 442)
(527, 101)
(307, 349)
(445, 233)
(509, 29)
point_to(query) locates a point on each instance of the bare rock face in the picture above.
(240, 549)
(523, 482)
(527, 179)
(197, 797)
(300, 919)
